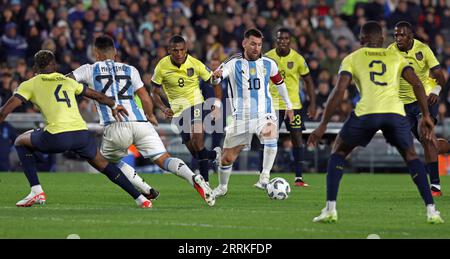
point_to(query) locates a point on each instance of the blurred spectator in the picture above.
(13, 45)
(7, 137)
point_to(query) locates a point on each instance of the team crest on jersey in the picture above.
(290, 65)
(419, 55)
(252, 71)
(190, 72)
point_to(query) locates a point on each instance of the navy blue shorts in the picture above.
(80, 142)
(296, 125)
(184, 122)
(359, 131)
(413, 113)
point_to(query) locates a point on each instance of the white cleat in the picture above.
(327, 216)
(32, 199)
(434, 216)
(220, 191)
(218, 155)
(263, 181)
(204, 190)
(260, 185)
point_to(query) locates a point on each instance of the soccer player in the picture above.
(376, 72)
(177, 75)
(121, 82)
(293, 67)
(65, 130)
(249, 75)
(425, 64)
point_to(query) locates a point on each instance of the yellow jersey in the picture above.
(422, 59)
(54, 94)
(377, 73)
(292, 68)
(181, 84)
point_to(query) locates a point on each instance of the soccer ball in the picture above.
(278, 189)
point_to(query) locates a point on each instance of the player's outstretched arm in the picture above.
(119, 112)
(147, 105)
(156, 95)
(333, 102)
(9, 106)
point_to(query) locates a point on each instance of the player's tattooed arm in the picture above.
(157, 92)
(119, 112)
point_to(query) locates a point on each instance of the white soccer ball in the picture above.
(278, 189)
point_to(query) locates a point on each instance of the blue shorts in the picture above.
(296, 125)
(359, 131)
(413, 113)
(80, 142)
(190, 116)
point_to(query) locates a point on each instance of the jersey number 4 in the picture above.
(121, 95)
(62, 100)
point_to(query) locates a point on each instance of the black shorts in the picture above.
(359, 131)
(80, 142)
(413, 113)
(296, 125)
(190, 116)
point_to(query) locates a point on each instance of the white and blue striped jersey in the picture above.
(116, 80)
(248, 83)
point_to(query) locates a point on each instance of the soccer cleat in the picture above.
(218, 155)
(152, 195)
(326, 216)
(220, 191)
(146, 204)
(300, 183)
(204, 190)
(260, 185)
(434, 217)
(263, 181)
(32, 199)
(436, 191)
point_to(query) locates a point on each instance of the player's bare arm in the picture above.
(333, 102)
(312, 96)
(147, 105)
(437, 74)
(9, 106)
(157, 92)
(119, 112)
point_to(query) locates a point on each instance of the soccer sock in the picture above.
(179, 168)
(133, 177)
(28, 164)
(270, 152)
(335, 171)
(224, 174)
(203, 163)
(299, 154)
(116, 176)
(433, 171)
(37, 189)
(419, 176)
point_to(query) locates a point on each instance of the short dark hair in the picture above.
(404, 24)
(253, 32)
(104, 42)
(43, 58)
(371, 28)
(284, 30)
(176, 39)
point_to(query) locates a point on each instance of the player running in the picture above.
(121, 82)
(376, 72)
(65, 130)
(293, 67)
(425, 64)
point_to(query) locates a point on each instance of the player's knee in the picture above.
(227, 159)
(410, 154)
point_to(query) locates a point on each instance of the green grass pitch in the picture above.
(90, 206)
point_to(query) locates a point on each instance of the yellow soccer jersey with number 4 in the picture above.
(377, 73)
(54, 94)
(422, 59)
(181, 84)
(292, 68)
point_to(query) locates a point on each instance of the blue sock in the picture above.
(28, 161)
(299, 154)
(116, 176)
(335, 170)
(203, 163)
(419, 176)
(433, 172)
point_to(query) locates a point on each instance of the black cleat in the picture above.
(153, 195)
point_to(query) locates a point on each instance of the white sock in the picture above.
(139, 200)
(224, 174)
(37, 189)
(431, 209)
(179, 168)
(331, 205)
(270, 152)
(133, 177)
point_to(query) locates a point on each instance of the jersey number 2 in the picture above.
(62, 100)
(373, 74)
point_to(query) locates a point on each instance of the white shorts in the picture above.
(119, 136)
(240, 132)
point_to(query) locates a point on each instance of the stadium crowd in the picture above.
(324, 33)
